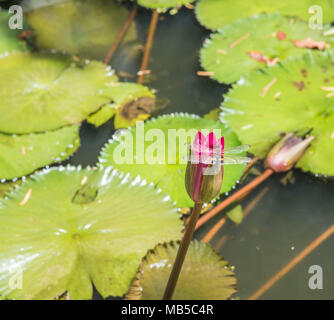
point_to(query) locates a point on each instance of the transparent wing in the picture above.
(238, 149)
(236, 160)
(228, 157)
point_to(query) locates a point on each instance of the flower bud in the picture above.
(286, 153)
(204, 174)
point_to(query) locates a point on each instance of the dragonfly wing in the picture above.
(238, 149)
(236, 160)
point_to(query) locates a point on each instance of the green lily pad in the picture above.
(5, 188)
(235, 214)
(103, 115)
(9, 40)
(205, 275)
(213, 114)
(163, 162)
(293, 96)
(59, 245)
(215, 14)
(86, 28)
(163, 4)
(131, 102)
(46, 92)
(22, 154)
(230, 53)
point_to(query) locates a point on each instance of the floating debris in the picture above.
(281, 35)
(235, 43)
(267, 87)
(258, 56)
(26, 198)
(205, 73)
(310, 44)
(143, 72)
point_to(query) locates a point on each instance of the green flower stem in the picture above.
(181, 254)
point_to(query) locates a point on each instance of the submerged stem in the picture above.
(121, 34)
(181, 254)
(213, 231)
(303, 254)
(234, 197)
(148, 46)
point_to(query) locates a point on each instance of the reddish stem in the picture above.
(303, 254)
(212, 232)
(234, 197)
(148, 46)
(121, 34)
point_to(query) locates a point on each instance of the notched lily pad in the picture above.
(213, 114)
(9, 39)
(133, 109)
(22, 154)
(162, 157)
(293, 96)
(86, 28)
(131, 102)
(259, 41)
(60, 246)
(205, 274)
(215, 14)
(45, 92)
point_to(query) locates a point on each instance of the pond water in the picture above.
(283, 222)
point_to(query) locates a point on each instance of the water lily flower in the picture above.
(204, 174)
(286, 153)
(204, 178)
(207, 156)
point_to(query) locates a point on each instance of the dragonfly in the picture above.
(214, 158)
(223, 157)
(230, 155)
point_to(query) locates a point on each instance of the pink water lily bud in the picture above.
(204, 174)
(286, 153)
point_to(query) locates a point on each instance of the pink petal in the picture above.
(199, 139)
(210, 140)
(221, 142)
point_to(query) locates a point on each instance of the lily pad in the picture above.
(131, 102)
(163, 4)
(5, 187)
(213, 114)
(9, 40)
(46, 92)
(86, 28)
(235, 214)
(103, 115)
(255, 42)
(22, 154)
(62, 246)
(162, 157)
(205, 275)
(293, 96)
(215, 14)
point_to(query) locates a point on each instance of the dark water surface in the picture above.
(284, 221)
